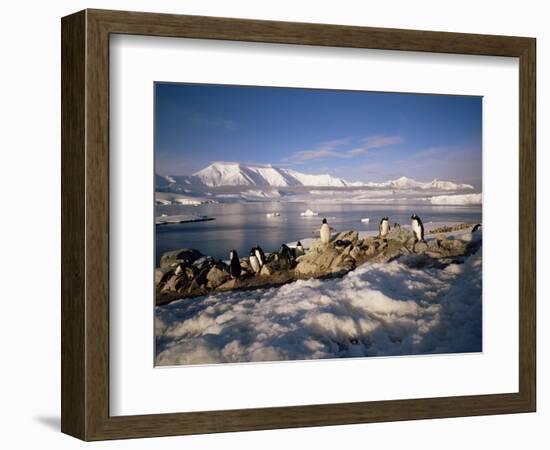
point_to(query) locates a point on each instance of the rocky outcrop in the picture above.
(187, 273)
(326, 259)
(217, 276)
(182, 256)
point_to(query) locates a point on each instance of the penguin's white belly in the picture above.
(254, 264)
(299, 251)
(417, 230)
(325, 234)
(259, 258)
(384, 228)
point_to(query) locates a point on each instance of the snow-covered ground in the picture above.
(378, 309)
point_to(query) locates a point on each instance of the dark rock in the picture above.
(202, 277)
(203, 262)
(191, 272)
(185, 256)
(342, 243)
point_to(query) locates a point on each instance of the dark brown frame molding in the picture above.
(85, 224)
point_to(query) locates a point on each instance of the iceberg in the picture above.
(309, 213)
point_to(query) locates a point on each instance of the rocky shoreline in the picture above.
(187, 273)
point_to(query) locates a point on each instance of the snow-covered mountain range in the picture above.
(227, 174)
(409, 183)
(235, 174)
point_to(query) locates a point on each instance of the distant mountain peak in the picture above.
(231, 173)
(238, 174)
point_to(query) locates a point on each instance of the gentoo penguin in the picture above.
(299, 249)
(260, 255)
(418, 228)
(384, 227)
(234, 264)
(325, 232)
(477, 227)
(254, 263)
(286, 259)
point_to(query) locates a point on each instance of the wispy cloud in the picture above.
(340, 148)
(213, 122)
(382, 141)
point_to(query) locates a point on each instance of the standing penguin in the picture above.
(299, 249)
(417, 227)
(260, 255)
(254, 263)
(325, 232)
(234, 264)
(384, 227)
(477, 227)
(286, 258)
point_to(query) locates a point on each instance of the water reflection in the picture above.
(244, 225)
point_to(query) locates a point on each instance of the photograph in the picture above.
(298, 224)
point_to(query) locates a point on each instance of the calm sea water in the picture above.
(243, 226)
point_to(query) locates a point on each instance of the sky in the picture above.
(355, 135)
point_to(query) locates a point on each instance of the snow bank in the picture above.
(464, 199)
(375, 310)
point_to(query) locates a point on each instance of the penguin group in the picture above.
(286, 256)
(384, 228)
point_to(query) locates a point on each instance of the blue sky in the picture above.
(359, 136)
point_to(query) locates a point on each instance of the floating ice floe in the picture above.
(273, 214)
(309, 213)
(365, 220)
(164, 219)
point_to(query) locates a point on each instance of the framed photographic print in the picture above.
(270, 224)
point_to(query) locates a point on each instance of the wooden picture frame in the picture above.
(85, 224)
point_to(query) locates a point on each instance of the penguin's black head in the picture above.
(324, 220)
(414, 216)
(299, 244)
